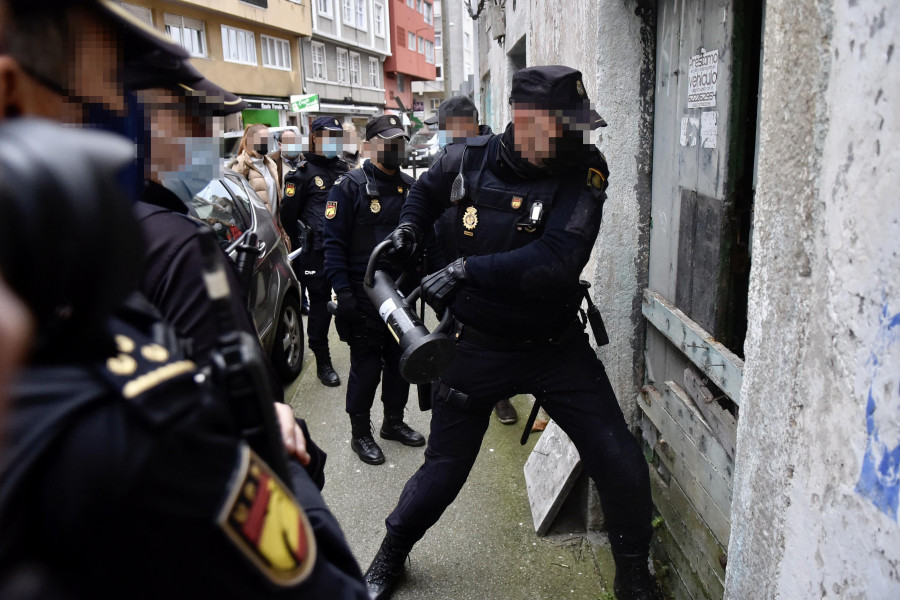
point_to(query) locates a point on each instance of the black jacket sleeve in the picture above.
(338, 232)
(292, 207)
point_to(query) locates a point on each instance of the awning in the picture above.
(346, 109)
(257, 103)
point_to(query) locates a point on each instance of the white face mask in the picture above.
(203, 161)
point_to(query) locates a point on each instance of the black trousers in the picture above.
(575, 392)
(319, 319)
(374, 357)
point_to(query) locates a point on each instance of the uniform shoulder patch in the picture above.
(331, 209)
(596, 179)
(266, 524)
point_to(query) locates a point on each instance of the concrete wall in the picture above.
(816, 483)
(602, 40)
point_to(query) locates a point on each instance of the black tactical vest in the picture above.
(377, 211)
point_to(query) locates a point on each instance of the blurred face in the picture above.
(259, 141)
(537, 133)
(289, 145)
(388, 155)
(351, 141)
(459, 128)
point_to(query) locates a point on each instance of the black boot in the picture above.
(383, 574)
(326, 373)
(394, 428)
(633, 579)
(362, 441)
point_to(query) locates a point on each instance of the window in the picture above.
(355, 68)
(411, 41)
(421, 45)
(429, 52)
(419, 6)
(276, 52)
(238, 45)
(438, 72)
(379, 20)
(438, 39)
(467, 41)
(189, 33)
(429, 14)
(401, 83)
(324, 8)
(141, 13)
(343, 65)
(373, 72)
(435, 103)
(411, 3)
(318, 57)
(354, 12)
(259, 3)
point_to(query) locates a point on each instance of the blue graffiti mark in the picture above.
(879, 478)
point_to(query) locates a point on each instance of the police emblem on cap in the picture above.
(330, 209)
(336, 122)
(375, 206)
(393, 121)
(318, 181)
(470, 219)
(516, 202)
(579, 87)
(289, 189)
(266, 524)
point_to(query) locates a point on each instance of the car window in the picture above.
(224, 211)
(230, 146)
(421, 137)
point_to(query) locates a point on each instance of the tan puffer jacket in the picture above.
(243, 164)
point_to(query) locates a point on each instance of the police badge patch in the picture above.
(318, 181)
(470, 219)
(375, 206)
(289, 189)
(330, 209)
(516, 202)
(596, 179)
(266, 523)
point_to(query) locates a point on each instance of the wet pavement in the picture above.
(484, 547)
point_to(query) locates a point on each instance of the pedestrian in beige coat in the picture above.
(257, 168)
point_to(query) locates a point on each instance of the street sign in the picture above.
(305, 103)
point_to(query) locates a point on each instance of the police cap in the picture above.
(387, 127)
(557, 88)
(326, 124)
(457, 106)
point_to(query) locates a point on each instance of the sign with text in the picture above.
(702, 76)
(305, 103)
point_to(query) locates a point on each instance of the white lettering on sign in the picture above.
(702, 76)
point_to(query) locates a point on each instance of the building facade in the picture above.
(412, 54)
(748, 270)
(249, 48)
(343, 58)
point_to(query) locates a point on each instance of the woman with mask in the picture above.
(361, 211)
(305, 191)
(351, 154)
(257, 168)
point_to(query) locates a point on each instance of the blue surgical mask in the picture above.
(290, 151)
(444, 138)
(203, 162)
(331, 147)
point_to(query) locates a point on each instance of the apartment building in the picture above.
(456, 56)
(250, 47)
(412, 54)
(343, 58)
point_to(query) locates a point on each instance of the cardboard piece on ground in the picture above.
(550, 472)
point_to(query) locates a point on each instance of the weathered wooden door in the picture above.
(707, 75)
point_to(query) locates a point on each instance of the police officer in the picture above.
(523, 231)
(362, 209)
(305, 191)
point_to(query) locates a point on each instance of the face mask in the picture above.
(331, 147)
(392, 157)
(262, 148)
(203, 163)
(444, 138)
(290, 151)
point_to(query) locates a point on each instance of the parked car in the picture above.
(421, 148)
(231, 207)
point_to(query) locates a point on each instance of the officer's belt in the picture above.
(460, 331)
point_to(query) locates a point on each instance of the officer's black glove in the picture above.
(439, 288)
(346, 305)
(405, 240)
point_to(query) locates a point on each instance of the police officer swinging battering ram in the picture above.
(527, 205)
